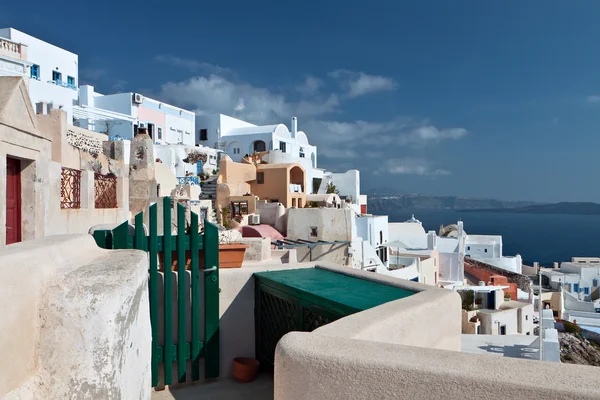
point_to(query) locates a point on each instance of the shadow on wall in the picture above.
(330, 253)
(515, 351)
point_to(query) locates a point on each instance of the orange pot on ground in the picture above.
(245, 369)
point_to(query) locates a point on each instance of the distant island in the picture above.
(385, 201)
(558, 208)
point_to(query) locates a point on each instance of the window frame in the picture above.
(283, 146)
(71, 82)
(36, 68)
(203, 134)
(239, 208)
(58, 74)
(260, 178)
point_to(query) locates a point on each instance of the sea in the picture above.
(536, 237)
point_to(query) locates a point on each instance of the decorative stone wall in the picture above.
(521, 281)
(84, 142)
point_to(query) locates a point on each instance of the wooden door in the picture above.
(13, 200)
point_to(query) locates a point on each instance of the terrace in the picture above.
(376, 337)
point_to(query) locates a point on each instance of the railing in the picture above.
(14, 49)
(70, 188)
(63, 84)
(114, 138)
(188, 180)
(198, 253)
(105, 188)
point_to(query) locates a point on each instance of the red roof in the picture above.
(265, 231)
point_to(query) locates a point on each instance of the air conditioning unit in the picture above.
(254, 219)
(138, 98)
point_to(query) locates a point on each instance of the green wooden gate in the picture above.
(206, 244)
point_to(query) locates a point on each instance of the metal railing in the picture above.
(105, 188)
(188, 180)
(70, 188)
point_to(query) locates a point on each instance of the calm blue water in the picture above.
(543, 238)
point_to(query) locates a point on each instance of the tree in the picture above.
(108, 127)
(331, 189)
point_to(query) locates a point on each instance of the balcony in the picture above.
(13, 49)
(63, 84)
(188, 180)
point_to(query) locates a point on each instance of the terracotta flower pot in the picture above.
(245, 369)
(232, 255)
(161, 260)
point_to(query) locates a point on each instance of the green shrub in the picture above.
(571, 328)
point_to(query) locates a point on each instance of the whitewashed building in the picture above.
(374, 230)
(488, 249)
(52, 73)
(578, 277)
(121, 114)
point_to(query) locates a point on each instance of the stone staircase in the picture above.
(209, 192)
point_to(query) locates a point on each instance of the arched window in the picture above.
(260, 146)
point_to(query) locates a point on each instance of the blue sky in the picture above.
(471, 98)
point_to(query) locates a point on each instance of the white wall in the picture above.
(97, 346)
(348, 184)
(49, 58)
(178, 129)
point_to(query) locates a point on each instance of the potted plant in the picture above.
(245, 369)
(231, 252)
(506, 296)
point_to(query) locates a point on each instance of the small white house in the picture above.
(579, 277)
(122, 114)
(52, 73)
(374, 230)
(488, 249)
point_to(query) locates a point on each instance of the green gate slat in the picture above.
(194, 242)
(181, 297)
(211, 301)
(168, 322)
(153, 247)
(194, 272)
(120, 236)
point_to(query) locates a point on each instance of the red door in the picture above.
(13, 200)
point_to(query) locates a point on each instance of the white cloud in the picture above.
(411, 166)
(432, 133)
(310, 86)
(593, 99)
(192, 65)
(217, 94)
(359, 83)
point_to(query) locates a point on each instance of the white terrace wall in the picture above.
(409, 349)
(75, 321)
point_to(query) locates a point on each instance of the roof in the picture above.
(251, 130)
(484, 239)
(279, 166)
(264, 231)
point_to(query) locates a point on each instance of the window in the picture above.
(35, 71)
(595, 283)
(527, 318)
(468, 247)
(239, 208)
(576, 287)
(70, 188)
(203, 134)
(56, 77)
(485, 250)
(380, 237)
(382, 254)
(159, 133)
(71, 82)
(282, 146)
(314, 231)
(301, 152)
(586, 290)
(260, 177)
(274, 200)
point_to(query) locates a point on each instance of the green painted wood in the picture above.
(140, 242)
(338, 292)
(195, 272)
(120, 237)
(181, 293)
(168, 293)
(101, 238)
(211, 301)
(153, 249)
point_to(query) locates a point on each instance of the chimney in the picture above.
(431, 240)
(41, 107)
(294, 126)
